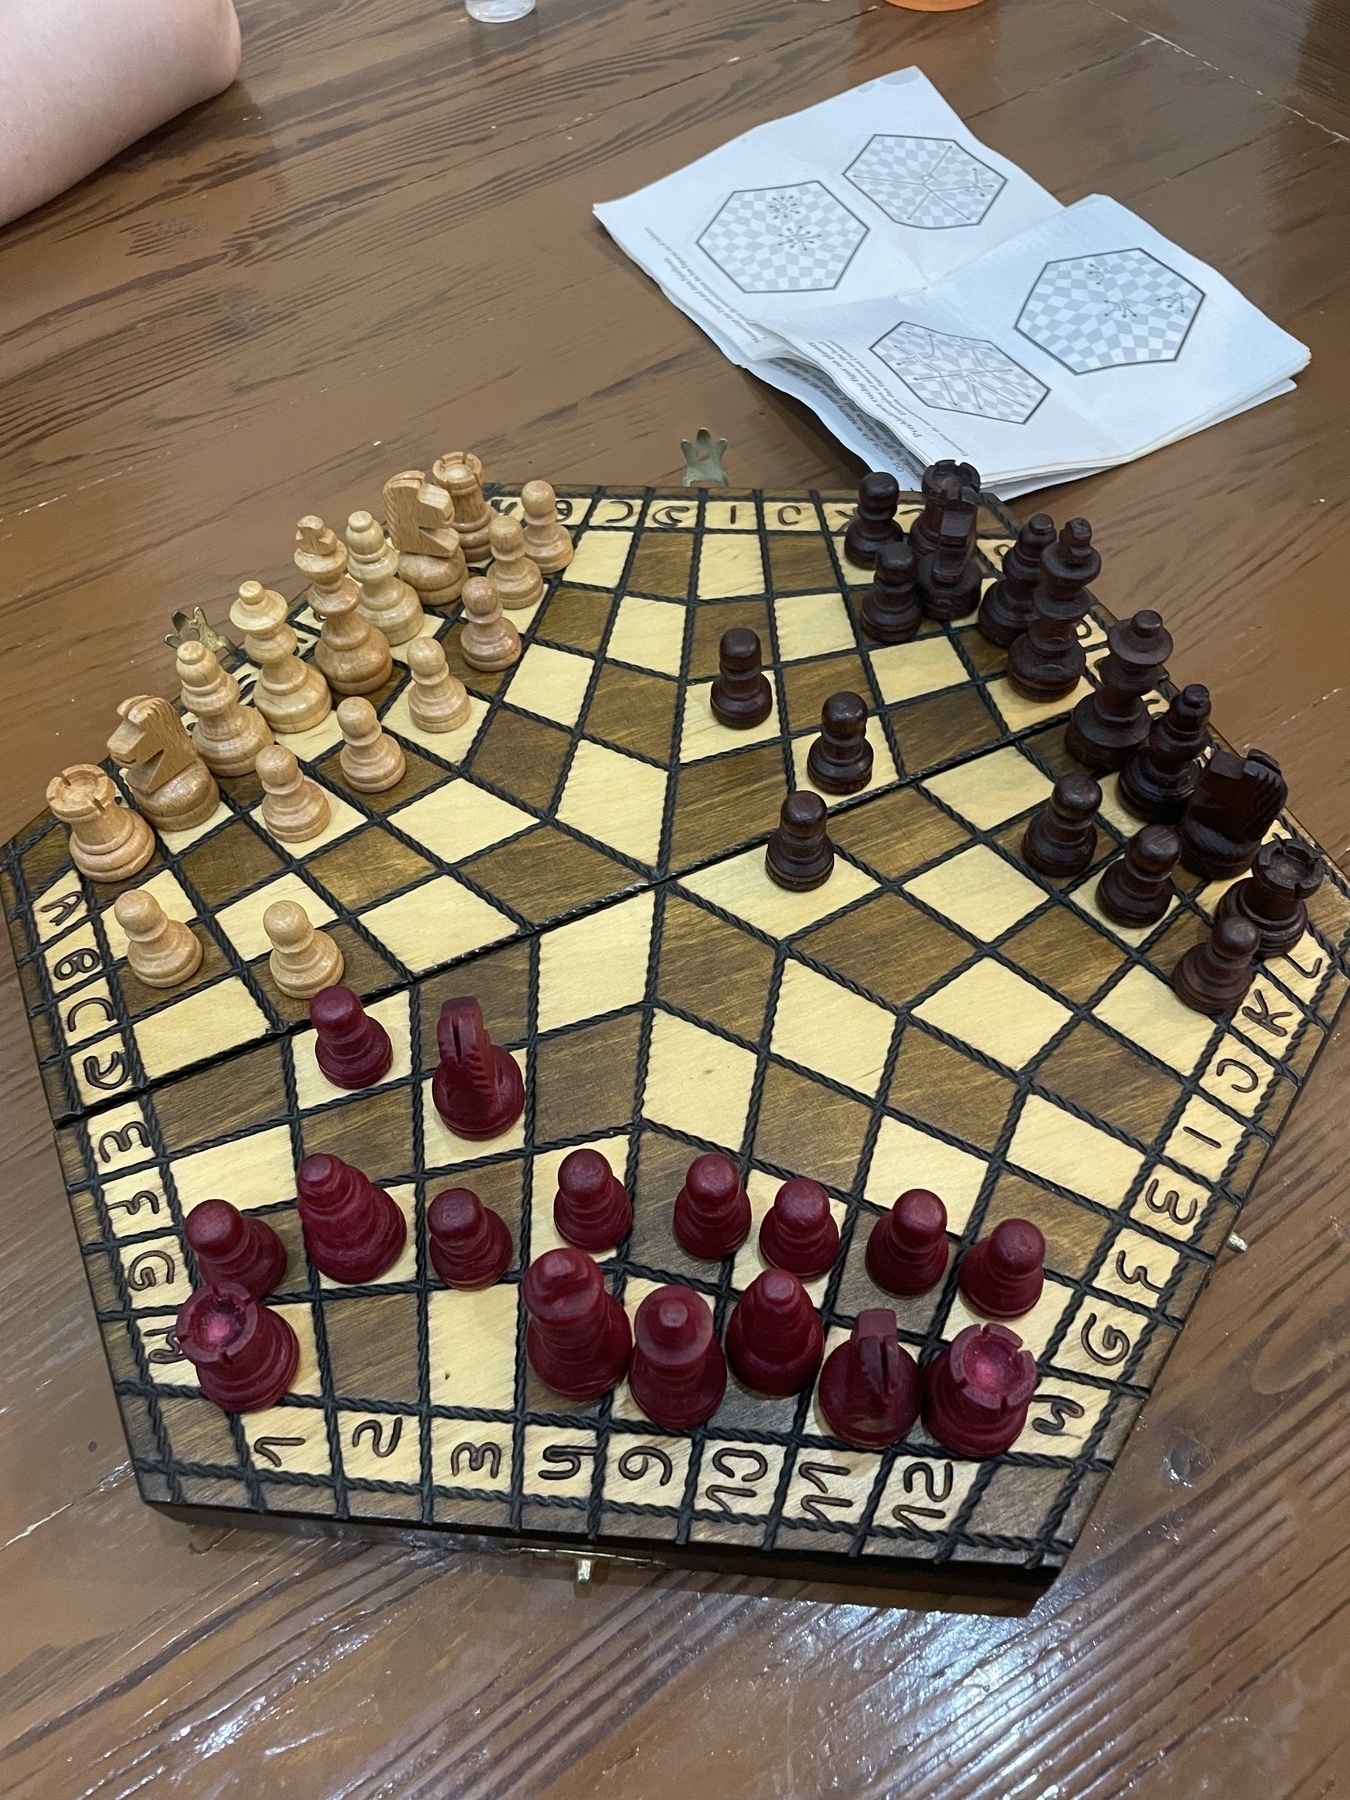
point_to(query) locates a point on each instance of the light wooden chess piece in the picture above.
(371, 760)
(487, 639)
(437, 700)
(514, 575)
(471, 462)
(303, 960)
(390, 603)
(163, 952)
(421, 522)
(290, 694)
(352, 655)
(547, 540)
(473, 515)
(228, 735)
(169, 782)
(108, 842)
(294, 808)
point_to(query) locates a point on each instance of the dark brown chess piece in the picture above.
(938, 480)
(890, 608)
(1006, 610)
(1108, 725)
(1235, 803)
(873, 524)
(1158, 780)
(1047, 661)
(840, 760)
(1137, 888)
(741, 695)
(1214, 976)
(800, 855)
(948, 581)
(1061, 838)
(1274, 896)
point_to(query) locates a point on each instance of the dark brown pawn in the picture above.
(938, 479)
(1006, 610)
(1214, 976)
(874, 522)
(1274, 896)
(1108, 725)
(948, 581)
(1159, 779)
(840, 760)
(741, 695)
(1047, 661)
(1234, 805)
(890, 608)
(800, 855)
(1137, 888)
(1062, 839)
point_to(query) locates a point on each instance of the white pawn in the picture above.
(294, 808)
(162, 951)
(437, 700)
(515, 576)
(487, 639)
(228, 735)
(547, 541)
(371, 760)
(390, 604)
(291, 695)
(303, 960)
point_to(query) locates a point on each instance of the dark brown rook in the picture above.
(1159, 779)
(948, 580)
(840, 760)
(800, 855)
(1274, 896)
(874, 522)
(1047, 661)
(1234, 805)
(1137, 888)
(890, 608)
(1006, 610)
(1062, 839)
(741, 695)
(1214, 976)
(939, 479)
(1108, 725)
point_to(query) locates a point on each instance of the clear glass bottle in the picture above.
(498, 12)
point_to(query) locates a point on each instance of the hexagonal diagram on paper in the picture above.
(1103, 312)
(783, 240)
(960, 374)
(933, 184)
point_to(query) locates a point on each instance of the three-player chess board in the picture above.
(586, 857)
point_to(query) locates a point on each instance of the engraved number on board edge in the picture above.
(1061, 1408)
(476, 1455)
(724, 1461)
(172, 1351)
(266, 1448)
(109, 1076)
(374, 1428)
(815, 1473)
(565, 1460)
(1116, 1345)
(922, 1472)
(132, 1206)
(1235, 1062)
(638, 1458)
(1169, 1203)
(65, 906)
(122, 1139)
(1136, 1277)
(140, 1273)
(76, 962)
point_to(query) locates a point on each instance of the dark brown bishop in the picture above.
(1159, 779)
(1047, 661)
(1006, 609)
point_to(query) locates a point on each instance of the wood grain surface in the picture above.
(379, 244)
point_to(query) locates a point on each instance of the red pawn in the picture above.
(353, 1230)
(591, 1208)
(869, 1387)
(469, 1243)
(578, 1339)
(678, 1373)
(774, 1339)
(231, 1248)
(352, 1049)
(1002, 1276)
(907, 1251)
(798, 1233)
(478, 1089)
(976, 1393)
(244, 1355)
(712, 1209)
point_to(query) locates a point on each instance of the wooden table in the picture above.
(380, 243)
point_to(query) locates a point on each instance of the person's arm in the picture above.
(81, 79)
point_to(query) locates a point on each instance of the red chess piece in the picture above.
(478, 1088)
(712, 1209)
(907, 1251)
(353, 1230)
(352, 1049)
(774, 1339)
(678, 1373)
(869, 1387)
(591, 1208)
(469, 1243)
(229, 1247)
(244, 1355)
(1002, 1276)
(798, 1232)
(578, 1339)
(976, 1393)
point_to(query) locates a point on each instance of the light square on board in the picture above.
(436, 922)
(905, 1157)
(702, 734)
(222, 1017)
(979, 890)
(812, 625)
(826, 1027)
(600, 558)
(996, 1011)
(242, 922)
(458, 819)
(551, 683)
(925, 666)
(649, 634)
(991, 789)
(697, 1082)
(616, 799)
(729, 564)
(740, 886)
